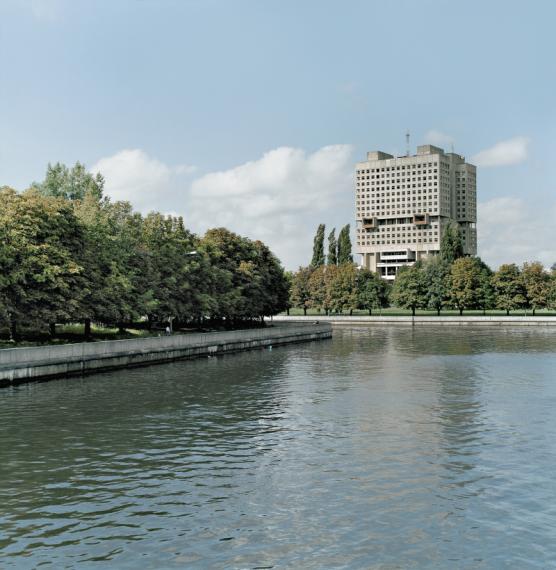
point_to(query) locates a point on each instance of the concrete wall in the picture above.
(452, 320)
(25, 364)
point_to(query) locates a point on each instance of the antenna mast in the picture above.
(407, 143)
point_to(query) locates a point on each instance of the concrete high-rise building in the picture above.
(404, 204)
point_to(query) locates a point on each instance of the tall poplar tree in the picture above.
(451, 245)
(344, 246)
(332, 248)
(318, 247)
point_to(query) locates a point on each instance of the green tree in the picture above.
(319, 287)
(508, 288)
(485, 295)
(300, 290)
(537, 285)
(436, 272)
(344, 246)
(70, 183)
(318, 247)
(332, 248)
(248, 281)
(42, 240)
(451, 245)
(464, 283)
(410, 288)
(552, 288)
(372, 291)
(342, 288)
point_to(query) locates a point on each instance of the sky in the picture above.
(251, 114)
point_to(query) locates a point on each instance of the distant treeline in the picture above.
(446, 281)
(69, 254)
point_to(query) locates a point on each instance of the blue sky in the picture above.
(251, 114)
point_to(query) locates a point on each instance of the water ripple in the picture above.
(386, 448)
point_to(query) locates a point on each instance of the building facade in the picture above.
(404, 204)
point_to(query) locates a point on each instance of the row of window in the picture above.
(420, 165)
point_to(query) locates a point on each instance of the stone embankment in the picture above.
(447, 320)
(19, 365)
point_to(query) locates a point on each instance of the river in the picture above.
(384, 448)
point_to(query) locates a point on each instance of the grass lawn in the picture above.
(395, 312)
(69, 333)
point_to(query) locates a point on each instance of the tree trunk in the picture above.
(437, 312)
(533, 312)
(87, 328)
(350, 312)
(507, 312)
(412, 311)
(460, 312)
(121, 328)
(288, 311)
(305, 311)
(484, 311)
(52, 329)
(370, 312)
(13, 330)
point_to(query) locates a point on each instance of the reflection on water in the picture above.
(387, 447)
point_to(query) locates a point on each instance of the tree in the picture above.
(70, 183)
(344, 246)
(39, 259)
(410, 288)
(537, 285)
(552, 289)
(342, 287)
(451, 245)
(319, 287)
(300, 290)
(436, 272)
(318, 247)
(508, 288)
(372, 291)
(332, 248)
(247, 280)
(464, 283)
(485, 295)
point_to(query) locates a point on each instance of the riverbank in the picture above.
(20, 365)
(422, 320)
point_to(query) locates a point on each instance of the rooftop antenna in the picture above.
(407, 143)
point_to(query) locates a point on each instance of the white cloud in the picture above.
(279, 198)
(511, 151)
(511, 231)
(146, 182)
(439, 139)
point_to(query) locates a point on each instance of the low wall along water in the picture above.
(424, 320)
(26, 364)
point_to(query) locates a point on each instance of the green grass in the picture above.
(69, 333)
(396, 312)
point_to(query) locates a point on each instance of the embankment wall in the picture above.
(19, 365)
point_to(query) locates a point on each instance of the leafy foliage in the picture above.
(410, 288)
(344, 246)
(318, 247)
(332, 248)
(509, 289)
(451, 245)
(68, 254)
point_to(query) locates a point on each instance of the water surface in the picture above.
(388, 447)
